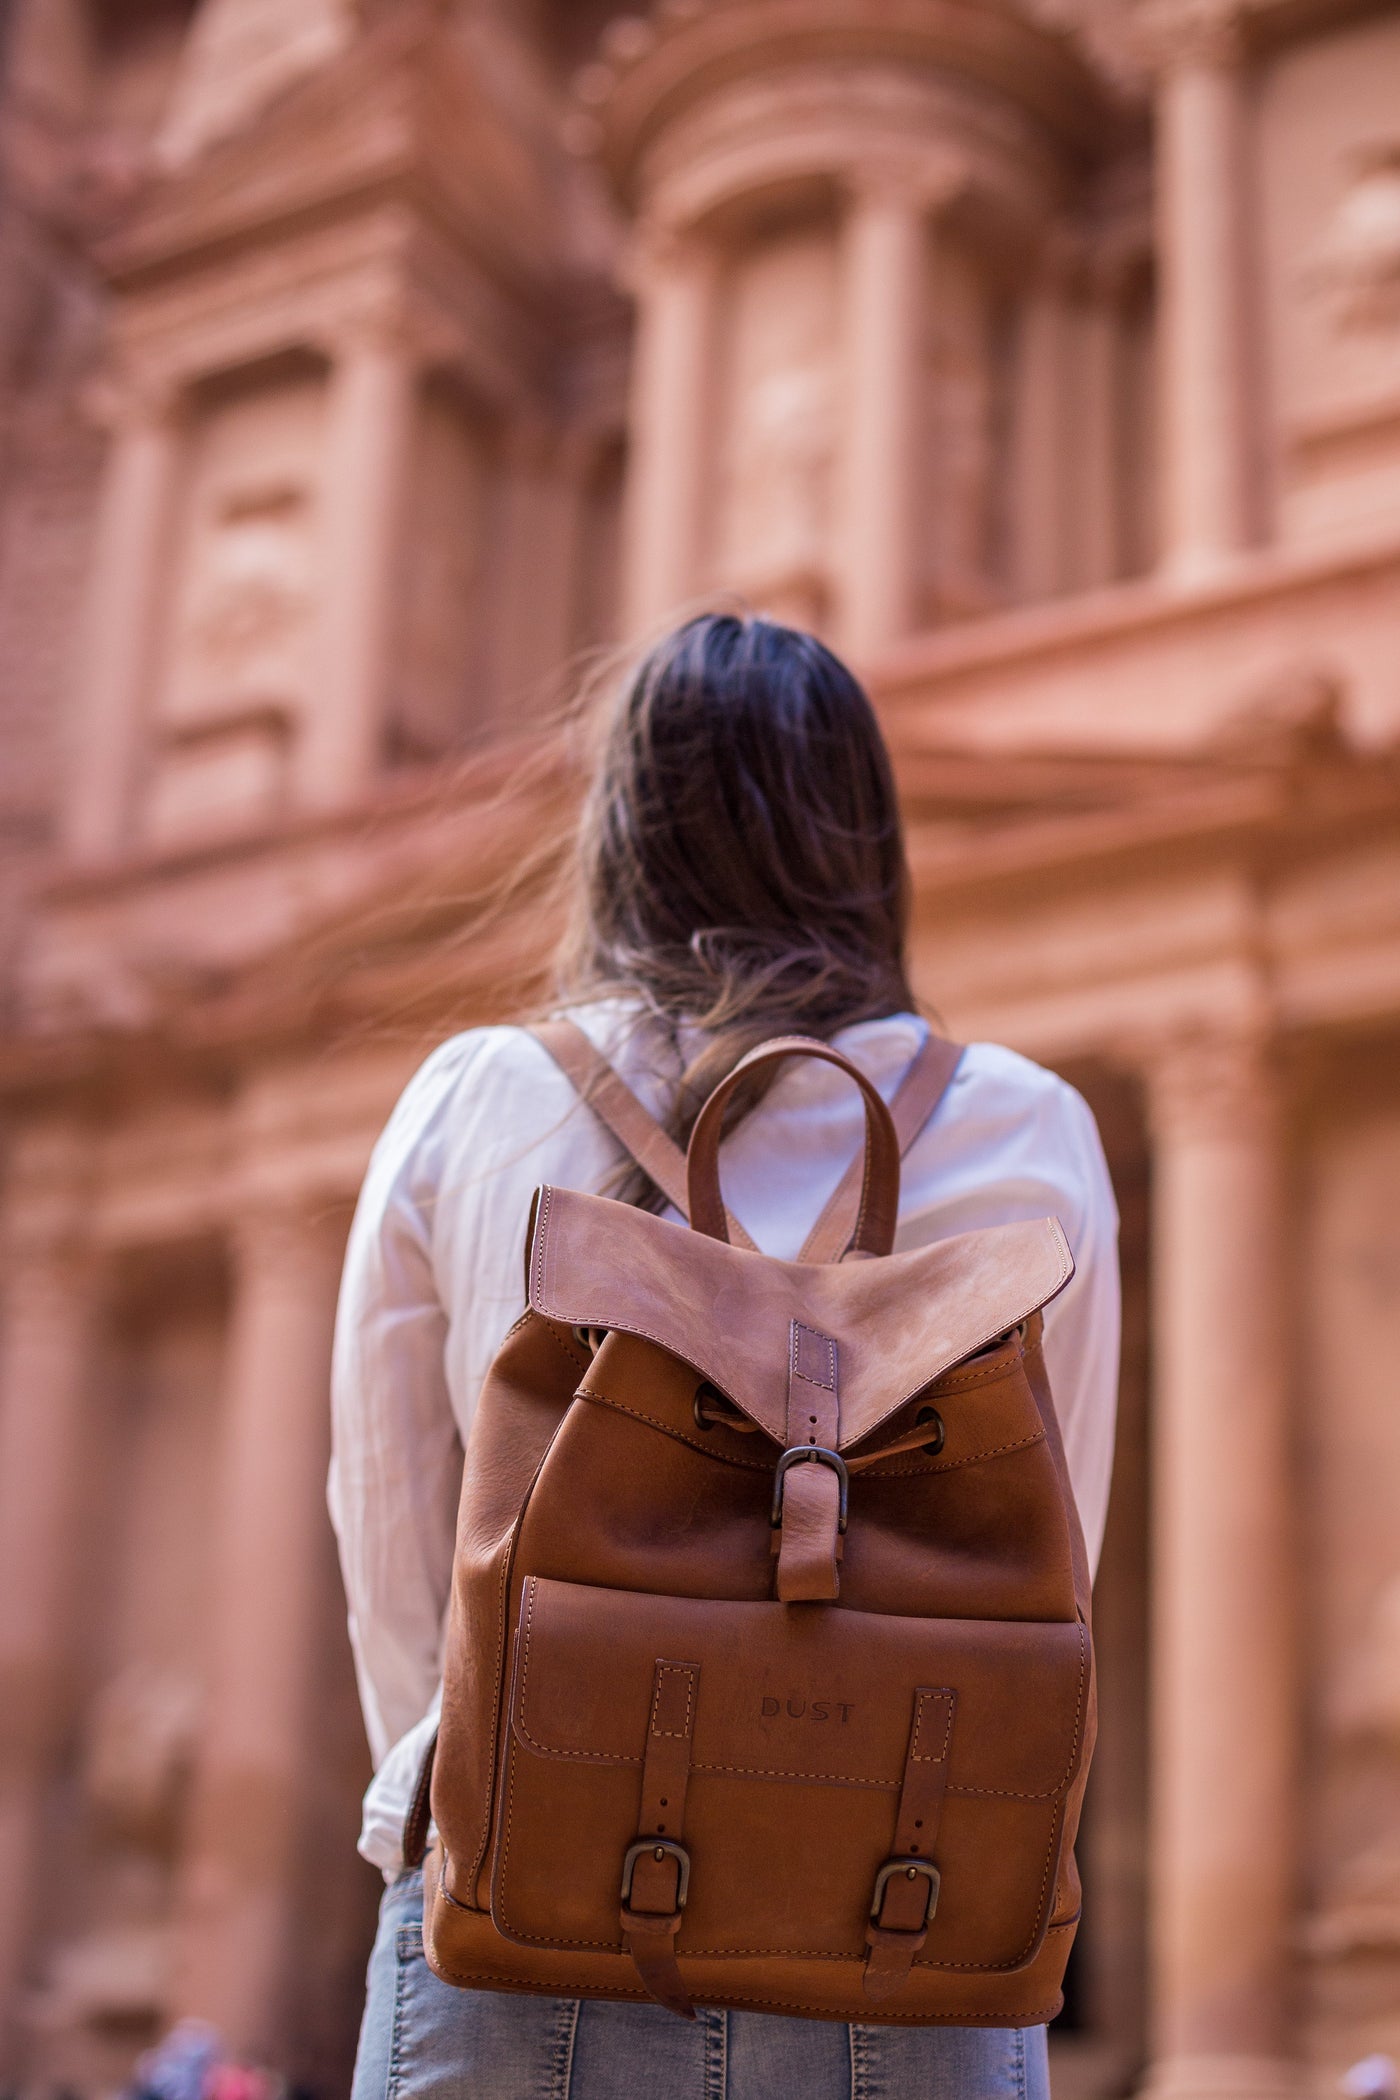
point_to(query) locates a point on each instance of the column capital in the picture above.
(115, 401)
(925, 185)
(662, 247)
(1172, 34)
(1222, 1083)
(384, 324)
(280, 1241)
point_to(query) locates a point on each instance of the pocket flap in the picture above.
(801, 1693)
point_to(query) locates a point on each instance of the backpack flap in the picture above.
(894, 1324)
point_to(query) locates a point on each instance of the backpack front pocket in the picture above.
(796, 1729)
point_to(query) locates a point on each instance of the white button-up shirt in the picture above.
(434, 1278)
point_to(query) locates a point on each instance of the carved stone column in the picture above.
(269, 1554)
(51, 1299)
(1204, 276)
(369, 431)
(1040, 434)
(128, 576)
(540, 528)
(1099, 526)
(672, 427)
(1224, 1727)
(884, 274)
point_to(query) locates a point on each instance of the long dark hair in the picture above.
(740, 862)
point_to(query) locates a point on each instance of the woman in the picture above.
(740, 874)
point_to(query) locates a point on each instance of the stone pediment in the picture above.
(401, 115)
(238, 56)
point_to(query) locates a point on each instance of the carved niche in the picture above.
(779, 421)
(238, 675)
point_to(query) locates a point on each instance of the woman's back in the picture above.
(740, 875)
(432, 1278)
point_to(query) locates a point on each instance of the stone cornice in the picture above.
(401, 117)
(1175, 32)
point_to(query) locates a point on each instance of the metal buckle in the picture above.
(660, 1848)
(794, 1457)
(909, 1868)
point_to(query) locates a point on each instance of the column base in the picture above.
(1224, 2078)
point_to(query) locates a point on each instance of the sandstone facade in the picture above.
(365, 367)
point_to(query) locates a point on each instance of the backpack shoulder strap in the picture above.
(923, 1086)
(607, 1093)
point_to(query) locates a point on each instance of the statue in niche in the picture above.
(1358, 267)
(137, 1763)
(139, 1745)
(252, 597)
(779, 478)
(1360, 1912)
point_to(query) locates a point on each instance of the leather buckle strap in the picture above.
(906, 1890)
(796, 1457)
(656, 1869)
(810, 1499)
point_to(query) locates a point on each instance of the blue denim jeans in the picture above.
(425, 2040)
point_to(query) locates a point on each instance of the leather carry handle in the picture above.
(879, 1197)
(923, 1086)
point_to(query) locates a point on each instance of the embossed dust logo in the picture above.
(838, 1710)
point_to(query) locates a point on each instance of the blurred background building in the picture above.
(361, 367)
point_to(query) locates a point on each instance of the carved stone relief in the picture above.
(238, 674)
(1358, 266)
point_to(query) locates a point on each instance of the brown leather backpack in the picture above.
(768, 1675)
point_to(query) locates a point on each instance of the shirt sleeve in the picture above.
(1083, 1324)
(395, 1451)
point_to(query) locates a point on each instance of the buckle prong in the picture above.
(907, 1869)
(659, 1848)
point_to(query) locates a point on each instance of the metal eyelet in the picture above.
(936, 1441)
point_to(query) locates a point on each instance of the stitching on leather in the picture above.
(951, 1465)
(887, 1786)
(800, 1327)
(884, 1786)
(862, 1218)
(648, 1334)
(506, 1834)
(723, 1458)
(574, 1357)
(541, 1229)
(925, 1699)
(589, 1757)
(999, 1793)
(484, 1840)
(690, 1672)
